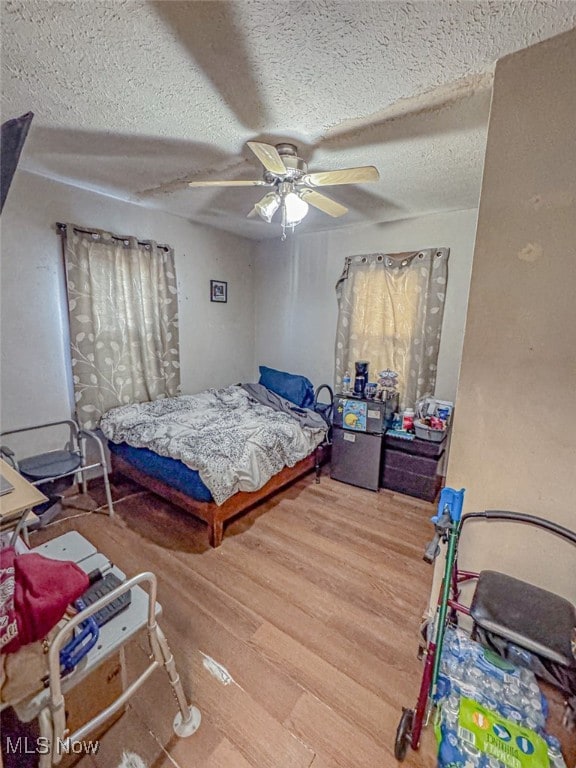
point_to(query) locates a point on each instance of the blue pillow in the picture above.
(297, 389)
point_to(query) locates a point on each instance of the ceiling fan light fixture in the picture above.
(293, 188)
(295, 208)
(268, 206)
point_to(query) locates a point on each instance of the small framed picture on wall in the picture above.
(218, 291)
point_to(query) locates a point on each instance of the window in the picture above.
(390, 313)
(123, 309)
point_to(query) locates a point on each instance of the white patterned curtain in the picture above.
(123, 308)
(390, 313)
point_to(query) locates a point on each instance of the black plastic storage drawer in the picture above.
(411, 484)
(416, 446)
(420, 465)
(411, 467)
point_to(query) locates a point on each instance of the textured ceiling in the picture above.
(131, 95)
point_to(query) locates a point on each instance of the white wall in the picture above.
(216, 340)
(514, 436)
(281, 313)
(296, 308)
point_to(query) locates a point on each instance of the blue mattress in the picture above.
(170, 471)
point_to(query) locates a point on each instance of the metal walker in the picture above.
(550, 639)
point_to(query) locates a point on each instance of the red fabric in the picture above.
(43, 589)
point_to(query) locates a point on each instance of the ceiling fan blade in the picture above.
(269, 157)
(344, 176)
(237, 183)
(323, 203)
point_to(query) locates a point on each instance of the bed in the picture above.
(219, 453)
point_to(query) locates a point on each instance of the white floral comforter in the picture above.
(235, 443)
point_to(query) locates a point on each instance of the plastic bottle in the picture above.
(467, 671)
(408, 420)
(450, 747)
(556, 758)
(554, 752)
(450, 710)
(346, 383)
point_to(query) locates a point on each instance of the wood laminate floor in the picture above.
(297, 638)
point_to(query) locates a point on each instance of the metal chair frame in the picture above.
(329, 406)
(76, 446)
(327, 416)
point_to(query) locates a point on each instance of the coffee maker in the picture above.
(361, 378)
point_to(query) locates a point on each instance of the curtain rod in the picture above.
(62, 229)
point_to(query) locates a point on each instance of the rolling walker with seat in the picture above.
(507, 614)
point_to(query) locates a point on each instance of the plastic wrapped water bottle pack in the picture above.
(469, 672)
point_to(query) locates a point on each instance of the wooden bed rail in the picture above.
(212, 514)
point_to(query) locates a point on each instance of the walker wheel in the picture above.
(403, 734)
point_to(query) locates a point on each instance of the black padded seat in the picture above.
(533, 618)
(47, 465)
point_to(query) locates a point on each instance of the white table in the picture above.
(16, 506)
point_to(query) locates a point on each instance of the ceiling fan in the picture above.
(293, 189)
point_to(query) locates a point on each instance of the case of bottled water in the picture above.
(467, 670)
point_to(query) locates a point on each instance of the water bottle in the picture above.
(443, 686)
(450, 710)
(346, 383)
(554, 752)
(467, 671)
(472, 756)
(555, 757)
(450, 747)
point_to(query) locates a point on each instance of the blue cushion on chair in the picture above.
(297, 389)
